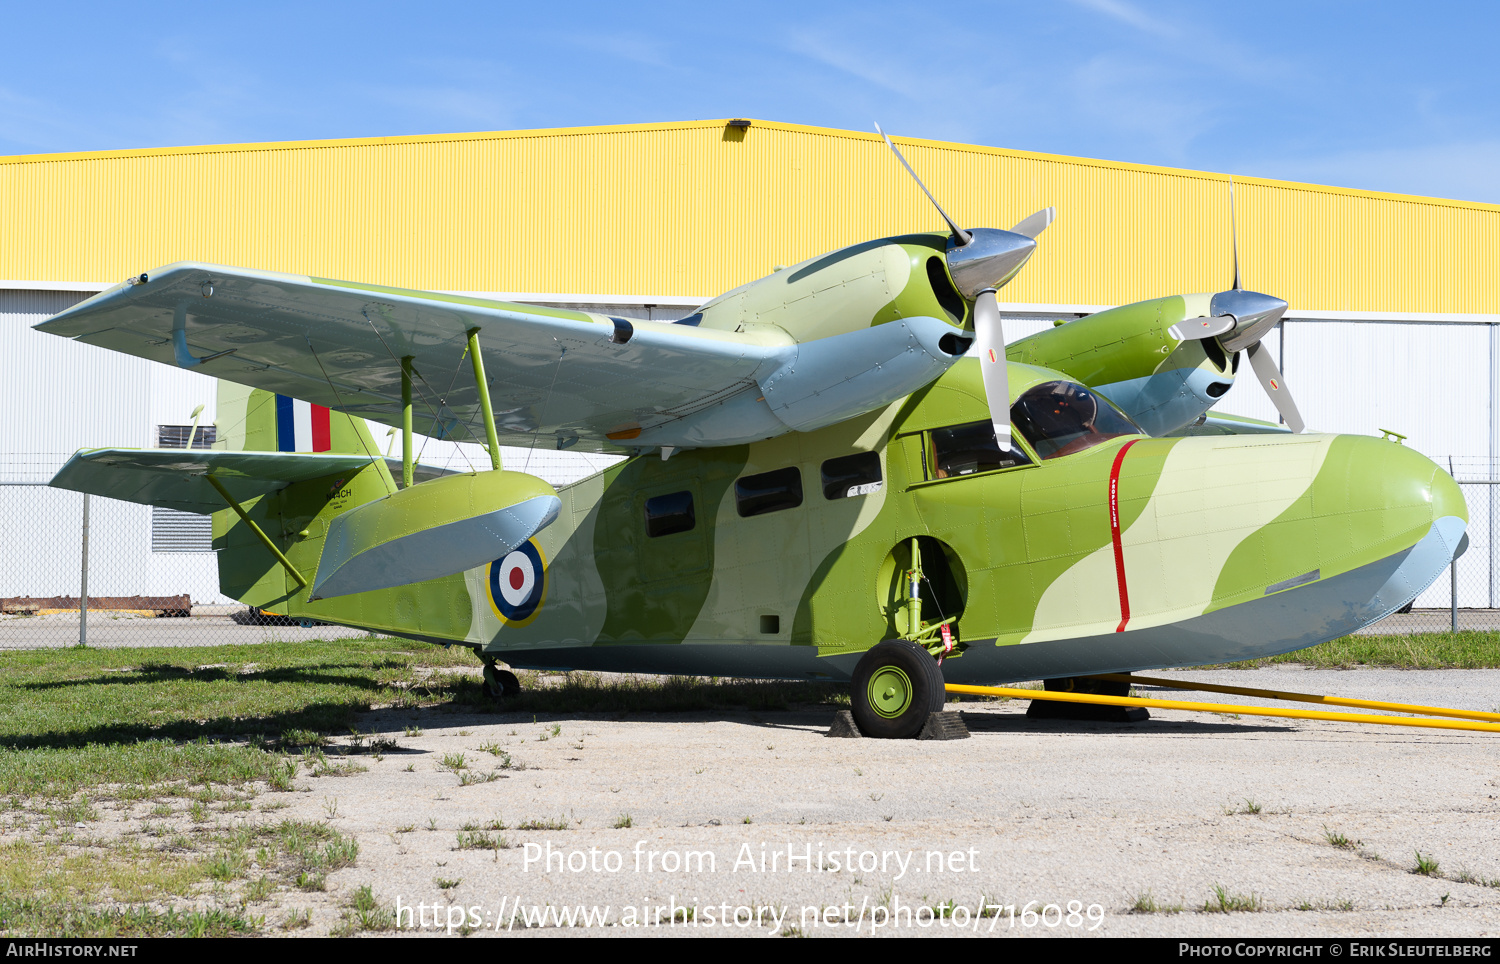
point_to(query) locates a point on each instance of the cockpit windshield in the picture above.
(1061, 418)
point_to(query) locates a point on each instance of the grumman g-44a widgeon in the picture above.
(839, 471)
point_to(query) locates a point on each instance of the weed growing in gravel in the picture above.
(1145, 903)
(1426, 866)
(623, 822)
(559, 824)
(479, 840)
(1223, 902)
(494, 823)
(1465, 877)
(1336, 839)
(362, 912)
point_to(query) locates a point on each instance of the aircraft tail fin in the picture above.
(253, 420)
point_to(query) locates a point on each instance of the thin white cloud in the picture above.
(868, 64)
(1128, 14)
(1462, 170)
(643, 49)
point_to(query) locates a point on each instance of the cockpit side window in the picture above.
(1062, 418)
(970, 448)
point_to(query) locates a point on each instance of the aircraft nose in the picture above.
(1372, 494)
(1341, 529)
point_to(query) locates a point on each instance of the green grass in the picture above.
(1470, 649)
(294, 692)
(81, 730)
(24, 916)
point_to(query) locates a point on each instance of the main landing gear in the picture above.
(499, 683)
(897, 685)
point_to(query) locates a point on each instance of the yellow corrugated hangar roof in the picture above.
(687, 210)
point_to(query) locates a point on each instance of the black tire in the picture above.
(500, 683)
(896, 685)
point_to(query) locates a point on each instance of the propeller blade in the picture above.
(990, 340)
(1197, 329)
(959, 233)
(1036, 224)
(1275, 386)
(1234, 237)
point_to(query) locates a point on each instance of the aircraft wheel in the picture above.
(896, 684)
(500, 683)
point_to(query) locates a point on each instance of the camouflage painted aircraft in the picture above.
(822, 485)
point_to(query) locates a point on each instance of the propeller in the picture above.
(980, 261)
(1254, 315)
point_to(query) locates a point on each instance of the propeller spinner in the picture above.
(981, 260)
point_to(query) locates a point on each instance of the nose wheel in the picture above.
(897, 684)
(500, 683)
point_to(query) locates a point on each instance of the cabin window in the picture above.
(176, 436)
(1061, 418)
(851, 475)
(970, 448)
(666, 514)
(768, 492)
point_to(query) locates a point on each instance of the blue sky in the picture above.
(1384, 96)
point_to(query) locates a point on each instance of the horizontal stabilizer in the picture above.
(176, 478)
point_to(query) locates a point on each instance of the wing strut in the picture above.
(484, 400)
(280, 557)
(406, 464)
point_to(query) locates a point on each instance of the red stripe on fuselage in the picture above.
(1114, 533)
(322, 433)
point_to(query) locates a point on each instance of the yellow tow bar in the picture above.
(1471, 719)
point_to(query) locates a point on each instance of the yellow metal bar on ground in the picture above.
(1302, 697)
(285, 562)
(484, 400)
(1224, 708)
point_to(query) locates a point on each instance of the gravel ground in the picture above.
(1086, 817)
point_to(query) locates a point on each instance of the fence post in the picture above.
(83, 595)
(1453, 597)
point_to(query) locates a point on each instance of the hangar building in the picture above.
(1392, 322)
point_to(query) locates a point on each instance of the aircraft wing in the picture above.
(1216, 423)
(175, 478)
(339, 344)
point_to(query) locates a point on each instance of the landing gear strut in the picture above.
(897, 684)
(500, 683)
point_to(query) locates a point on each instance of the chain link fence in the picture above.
(149, 577)
(77, 569)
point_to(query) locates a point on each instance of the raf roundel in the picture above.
(518, 583)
